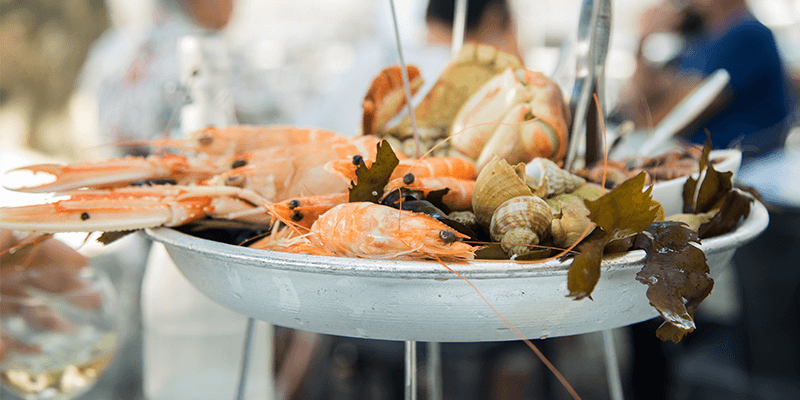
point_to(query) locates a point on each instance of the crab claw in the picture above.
(517, 115)
(115, 172)
(386, 97)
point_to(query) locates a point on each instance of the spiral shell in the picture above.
(574, 219)
(466, 218)
(520, 222)
(547, 179)
(497, 182)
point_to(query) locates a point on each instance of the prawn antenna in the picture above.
(516, 331)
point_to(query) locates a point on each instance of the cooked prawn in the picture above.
(377, 231)
(426, 167)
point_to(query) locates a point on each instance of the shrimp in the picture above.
(458, 197)
(426, 167)
(136, 208)
(375, 231)
(119, 172)
(221, 142)
(296, 157)
(303, 212)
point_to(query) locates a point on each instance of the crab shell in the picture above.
(519, 223)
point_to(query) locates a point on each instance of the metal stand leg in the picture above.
(249, 340)
(248, 343)
(271, 395)
(612, 366)
(411, 370)
(434, 371)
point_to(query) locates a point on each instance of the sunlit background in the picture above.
(299, 62)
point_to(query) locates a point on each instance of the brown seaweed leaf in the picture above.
(713, 189)
(372, 180)
(585, 269)
(735, 207)
(107, 238)
(677, 275)
(622, 212)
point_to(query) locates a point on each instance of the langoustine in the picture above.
(210, 186)
(372, 230)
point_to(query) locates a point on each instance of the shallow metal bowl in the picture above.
(422, 300)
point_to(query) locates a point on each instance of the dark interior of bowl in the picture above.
(224, 231)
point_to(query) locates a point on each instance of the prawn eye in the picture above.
(294, 204)
(447, 236)
(235, 180)
(297, 216)
(239, 163)
(408, 178)
(357, 159)
(84, 216)
(206, 140)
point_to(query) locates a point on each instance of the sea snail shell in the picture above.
(569, 227)
(547, 179)
(520, 222)
(496, 183)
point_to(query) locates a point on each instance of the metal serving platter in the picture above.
(422, 300)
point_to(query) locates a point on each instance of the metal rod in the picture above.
(594, 134)
(459, 26)
(584, 80)
(411, 370)
(612, 366)
(270, 375)
(406, 83)
(434, 371)
(245, 366)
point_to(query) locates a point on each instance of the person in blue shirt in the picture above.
(754, 112)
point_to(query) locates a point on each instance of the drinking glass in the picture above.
(56, 345)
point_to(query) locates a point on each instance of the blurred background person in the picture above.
(684, 42)
(134, 77)
(681, 43)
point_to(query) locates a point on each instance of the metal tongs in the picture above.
(594, 31)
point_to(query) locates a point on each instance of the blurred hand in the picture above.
(32, 262)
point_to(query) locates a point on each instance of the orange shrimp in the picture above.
(119, 172)
(242, 138)
(299, 172)
(304, 211)
(132, 208)
(426, 167)
(377, 231)
(459, 197)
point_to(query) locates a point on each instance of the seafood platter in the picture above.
(461, 226)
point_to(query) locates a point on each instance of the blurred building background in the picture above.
(310, 62)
